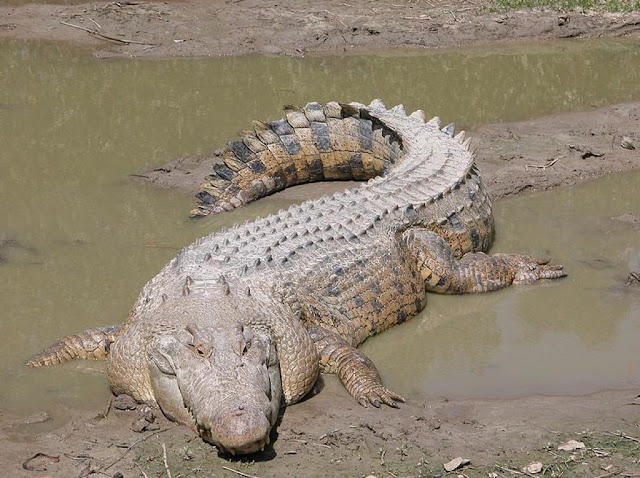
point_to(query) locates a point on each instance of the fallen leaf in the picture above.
(533, 468)
(456, 463)
(571, 445)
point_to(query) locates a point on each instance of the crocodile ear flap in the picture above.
(160, 355)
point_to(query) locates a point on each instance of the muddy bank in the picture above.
(558, 150)
(330, 435)
(532, 155)
(211, 28)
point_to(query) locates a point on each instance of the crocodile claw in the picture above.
(530, 269)
(379, 395)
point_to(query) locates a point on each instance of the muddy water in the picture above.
(576, 335)
(79, 238)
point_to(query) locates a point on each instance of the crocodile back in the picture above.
(421, 175)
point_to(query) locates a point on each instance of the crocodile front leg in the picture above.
(357, 372)
(474, 272)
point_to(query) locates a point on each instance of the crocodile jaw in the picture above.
(230, 396)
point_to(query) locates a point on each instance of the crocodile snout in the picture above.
(238, 432)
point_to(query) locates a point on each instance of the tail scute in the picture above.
(90, 344)
(315, 143)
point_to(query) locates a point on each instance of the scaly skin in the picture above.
(246, 315)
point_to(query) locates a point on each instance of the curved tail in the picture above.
(90, 344)
(314, 143)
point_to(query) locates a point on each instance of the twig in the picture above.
(615, 471)
(130, 447)
(95, 23)
(164, 458)
(102, 35)
(622, 435)
(384, 452)
(142, 471)
(511, 470)
(549, 163)
(238, 472)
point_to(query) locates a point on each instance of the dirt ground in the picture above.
(329, 434)
(236, 27)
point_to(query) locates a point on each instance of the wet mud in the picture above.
(214, 28)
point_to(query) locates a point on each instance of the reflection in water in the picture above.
(72, 129)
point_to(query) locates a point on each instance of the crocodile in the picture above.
(242, 321)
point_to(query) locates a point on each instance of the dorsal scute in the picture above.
(422, 163)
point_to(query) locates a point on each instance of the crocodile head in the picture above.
(223, 380)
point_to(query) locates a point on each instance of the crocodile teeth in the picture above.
(460, 137)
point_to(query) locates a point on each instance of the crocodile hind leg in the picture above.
(357, 372)
(89, 344)
(475, 271)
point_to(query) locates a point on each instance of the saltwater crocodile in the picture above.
(245, 318)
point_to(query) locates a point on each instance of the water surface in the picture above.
(574, 335)
(79, 238)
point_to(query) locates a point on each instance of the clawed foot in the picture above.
(359, 375)
(530, 269)
(377, 395)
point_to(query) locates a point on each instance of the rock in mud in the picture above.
(124, 402)
(456, 463)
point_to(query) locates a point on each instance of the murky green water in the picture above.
(79, 238)
(576, 335)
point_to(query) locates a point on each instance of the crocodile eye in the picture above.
(202, 350)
